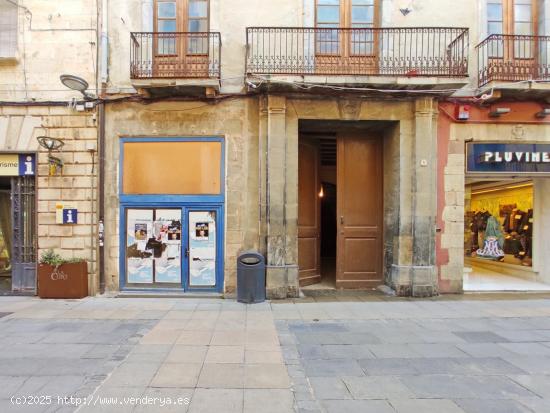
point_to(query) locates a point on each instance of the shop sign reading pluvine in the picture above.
(505, 158)
(17, 164)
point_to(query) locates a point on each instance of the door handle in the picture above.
(342, 220)
(187, 252)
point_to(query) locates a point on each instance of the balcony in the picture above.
(175, 59)
(403, 56)
(514, 59)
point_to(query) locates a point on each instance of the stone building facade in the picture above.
(324, 135)
(262, 122)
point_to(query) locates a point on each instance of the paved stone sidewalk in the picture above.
(468, 356)
(206, 355)
(341, 354)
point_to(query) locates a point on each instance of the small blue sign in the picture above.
(504, 158)
(70, 216)
(27, 165)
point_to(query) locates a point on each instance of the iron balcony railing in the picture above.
(396, 51)
(175, 55)
(513, 58)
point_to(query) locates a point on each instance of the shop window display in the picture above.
(499, 223)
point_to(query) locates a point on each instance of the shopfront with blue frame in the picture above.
(187, 204)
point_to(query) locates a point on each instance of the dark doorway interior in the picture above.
(328, 234)
(5, 235)
(327, 177)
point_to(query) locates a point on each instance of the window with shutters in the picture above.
(8, 29)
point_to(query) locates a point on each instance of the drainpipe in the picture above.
(101, 186)
(104, 76)
(104, 43)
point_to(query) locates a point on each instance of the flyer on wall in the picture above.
(167, 231)
(202, 248)
(139, 259)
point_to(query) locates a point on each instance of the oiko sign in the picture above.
(503, 158)
(57, 275)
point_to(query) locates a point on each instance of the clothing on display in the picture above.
(493, 241)
(501, 225)
(519, 228)
(478, 226)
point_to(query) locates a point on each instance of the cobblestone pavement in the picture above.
(476, 353)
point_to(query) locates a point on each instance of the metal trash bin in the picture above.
(250, 277)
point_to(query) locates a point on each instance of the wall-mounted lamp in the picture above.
(78, 84)
(498, 112)
(543, 113)
(52, 144)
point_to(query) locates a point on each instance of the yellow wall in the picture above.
(491, 201)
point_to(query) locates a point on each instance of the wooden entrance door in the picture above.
(309, 240)
(181, 40)
(359, 188)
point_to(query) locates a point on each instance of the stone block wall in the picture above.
(451, 209)
(76, 185)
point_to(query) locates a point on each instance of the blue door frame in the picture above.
(184, 202)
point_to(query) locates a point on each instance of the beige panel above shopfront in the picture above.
(177, 168)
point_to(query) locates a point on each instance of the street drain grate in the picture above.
(4, 314)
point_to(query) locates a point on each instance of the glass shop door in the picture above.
(171, 248)
(153, 248)
(202, 249)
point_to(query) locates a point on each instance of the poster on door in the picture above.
(167, 238)
(202, 248)
(139, 260)
(153, 246)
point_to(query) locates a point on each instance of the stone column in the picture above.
(413, 269)
(262, 170)
(281, 280)
(423, 272)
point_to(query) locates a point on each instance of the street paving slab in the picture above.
(344, 353)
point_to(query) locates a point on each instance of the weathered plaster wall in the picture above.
(228, 17)
(54, 37)
(231, 18)
(236, 121)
